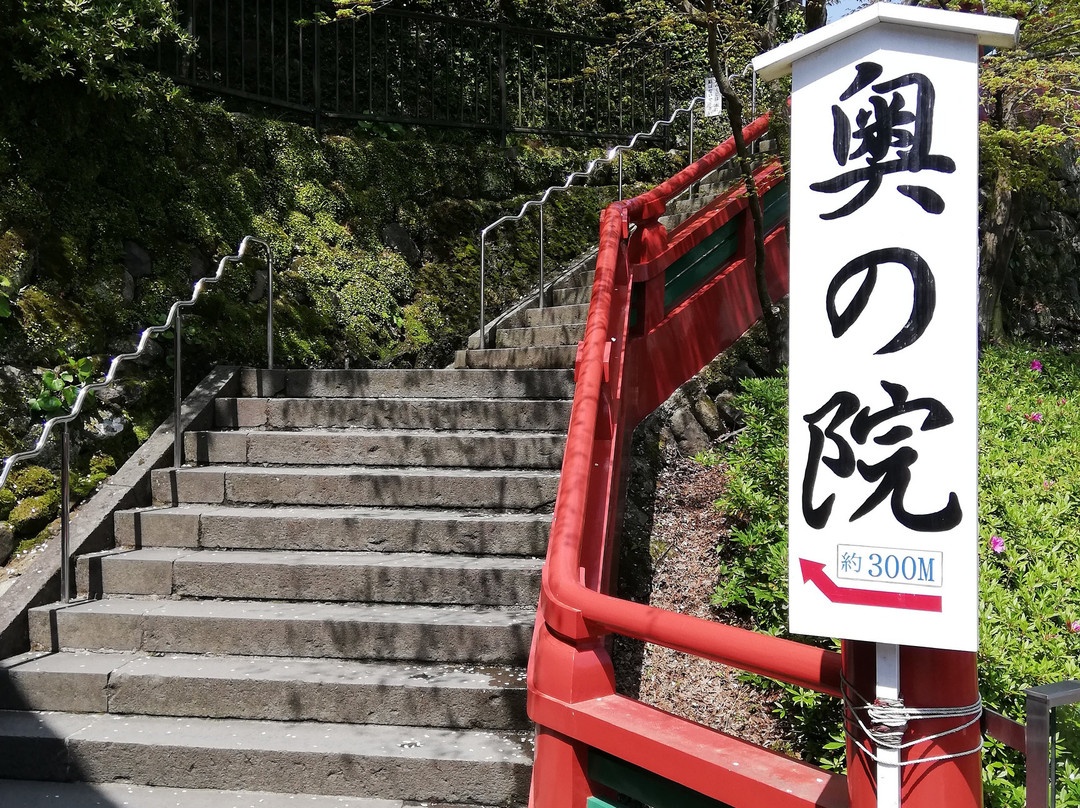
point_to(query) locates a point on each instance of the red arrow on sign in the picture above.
(814, 572)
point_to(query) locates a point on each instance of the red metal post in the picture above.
(928, 678)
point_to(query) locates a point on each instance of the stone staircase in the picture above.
(330, 605)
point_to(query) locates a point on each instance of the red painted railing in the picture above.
(637, 350)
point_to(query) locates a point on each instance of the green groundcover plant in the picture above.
(1029, 537)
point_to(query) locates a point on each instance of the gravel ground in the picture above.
(670, 562)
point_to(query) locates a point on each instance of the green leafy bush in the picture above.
(1029, 484)
(60, 386)
(753, 559)
(92, 42)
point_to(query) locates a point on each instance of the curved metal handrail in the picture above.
(616, 152)
(173, 319)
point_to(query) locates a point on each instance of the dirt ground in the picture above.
(682, 538)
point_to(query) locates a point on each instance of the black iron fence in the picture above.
(413, 68)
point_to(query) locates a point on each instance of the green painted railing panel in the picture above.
(701, 262)
(642, 785)
(775, 204)
(683, 276)
(596, 802)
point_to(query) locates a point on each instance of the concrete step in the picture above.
(571, 295)
(321, 576)
(380, 486)
(472, 635)
(580, 277)
(361, 529)
(549, 315)
(542, 335)
(452, 383)
(378, 447)
(672, 221)
(551, 357)
(40, 794)
(336, 691)
(541, 415)
(372, 761)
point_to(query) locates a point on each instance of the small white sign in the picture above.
(855, 562)
(884, 236)
(714, 102)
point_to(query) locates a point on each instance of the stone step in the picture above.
(541, 415)
(474, 635)
(542, 335)
(552, 357)
(673, 220)
(321, 576)
(571, 295)
(580, 277)
(380, 486)
(378, 447)
(41, 794)
(360, 529)
(335, 691)
(450, 383)
(549, 315)
(372, 761)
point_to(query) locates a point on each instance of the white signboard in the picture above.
(714, 102)
(884, 229)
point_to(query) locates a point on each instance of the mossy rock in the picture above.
(52, 322)
(7, 502)
(32, 481)
(7, 542)
(33, 514)
(16, 259)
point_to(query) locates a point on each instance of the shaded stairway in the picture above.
(335, 597)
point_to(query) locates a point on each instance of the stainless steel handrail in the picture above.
(86, 389)
(614, 153)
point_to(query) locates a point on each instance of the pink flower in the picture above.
(997, 544)
(1008, 408)
(1061, 402)
(1074, 626)
(1048, 483)
(1035, 417)
(1036, 365)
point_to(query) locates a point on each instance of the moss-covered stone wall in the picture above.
(110, 209)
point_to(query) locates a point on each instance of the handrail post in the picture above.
(65, 519)
(620, 176)
(541, 256)
(691, 160)
(178, 437)
(503, 118)
(269, 308)
(483, 240)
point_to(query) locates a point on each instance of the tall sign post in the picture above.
(884, 280)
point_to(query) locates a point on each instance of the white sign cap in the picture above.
(996, 32)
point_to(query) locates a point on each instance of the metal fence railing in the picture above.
(407, 67)
(172, 322)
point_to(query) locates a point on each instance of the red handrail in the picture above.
(568, 606)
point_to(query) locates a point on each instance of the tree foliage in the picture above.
(92, 42)
(1031, 105)
(1031, 94)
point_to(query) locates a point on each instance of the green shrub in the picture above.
(753, 558)
(1029, 484)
